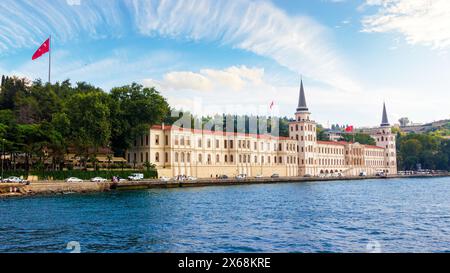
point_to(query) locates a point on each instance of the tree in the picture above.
(133, 109)
(360, 138)
(403, 121)
(89, 119)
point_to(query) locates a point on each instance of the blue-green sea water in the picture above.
(398, 215)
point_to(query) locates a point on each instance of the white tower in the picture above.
(304, 131)
(386, 139)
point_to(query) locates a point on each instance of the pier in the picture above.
(62, 187)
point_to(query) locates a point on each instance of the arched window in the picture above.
(200, 158)
(176, 157)
(182, 157)
(217, 158)
(226, 158)
(209, 159)
(157, 157)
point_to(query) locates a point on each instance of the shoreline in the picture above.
(62, 187)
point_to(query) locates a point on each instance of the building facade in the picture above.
(203, 153)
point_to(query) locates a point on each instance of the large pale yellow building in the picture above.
(204, 153)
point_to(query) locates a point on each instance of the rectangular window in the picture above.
(231, 146)
(146, 140)
(167, 140)
(157, 139)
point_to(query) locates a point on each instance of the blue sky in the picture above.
(238, 56)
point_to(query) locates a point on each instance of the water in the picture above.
(398, 215)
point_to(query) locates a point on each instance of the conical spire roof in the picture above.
(302, 100)
(385, 121)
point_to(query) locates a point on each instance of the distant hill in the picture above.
(441, 125)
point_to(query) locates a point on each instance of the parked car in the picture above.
(241, 176)
(362, 174)
(180, 178)
(13, 179)
(223, 176)
(164, 179)
(74, 180)
(275, 175)
(121, 179)
(191, 178)
(136, 176)
(259, 176)
(98, 179)
(307, 175)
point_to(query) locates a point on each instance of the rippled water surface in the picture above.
(398, 215)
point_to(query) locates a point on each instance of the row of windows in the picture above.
(186, 157)
(374, 153)
(382, 138)
(146, 139)
(302, 138)
(307, 127)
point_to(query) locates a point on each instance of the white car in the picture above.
(362, 174)
(136, 176)
(74, 180)
(259, 176)
(164, 178)
(241, 176)
(13, 179)
(191, 178)
(98, 179)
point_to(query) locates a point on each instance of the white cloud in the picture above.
(425, 22)
(296, 42)
(73, 2)
(234, 78)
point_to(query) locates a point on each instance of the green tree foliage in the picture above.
(320, 131)
(39, 120)
(360, 138)
(133, 109)
(88, 116)
(426, 150)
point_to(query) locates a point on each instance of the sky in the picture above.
(224, 56)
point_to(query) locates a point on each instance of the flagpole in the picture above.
(49, 58)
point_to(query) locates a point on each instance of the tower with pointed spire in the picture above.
(386, 139)
(384, 120)
(303, 130)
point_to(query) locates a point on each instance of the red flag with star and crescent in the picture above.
(44, 48)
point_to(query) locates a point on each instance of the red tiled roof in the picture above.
(373, 147)
(209, 132)
(332, 142)
(345, 143)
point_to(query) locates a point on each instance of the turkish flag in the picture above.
(44, 48)
(349, 129)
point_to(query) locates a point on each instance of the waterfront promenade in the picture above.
(62, 187)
